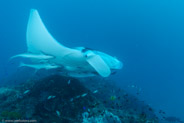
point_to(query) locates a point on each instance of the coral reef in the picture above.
(106, 117)
(57, 99)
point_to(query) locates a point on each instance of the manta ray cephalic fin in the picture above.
(99, 65)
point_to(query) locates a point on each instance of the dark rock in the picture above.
(52, 99)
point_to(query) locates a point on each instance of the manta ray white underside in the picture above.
(77, 62)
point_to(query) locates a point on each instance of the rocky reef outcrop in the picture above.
(58, 99)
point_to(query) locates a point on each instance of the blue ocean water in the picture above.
(147, 36)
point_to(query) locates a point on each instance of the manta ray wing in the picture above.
(40, 40)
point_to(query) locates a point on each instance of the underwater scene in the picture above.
(92, 61)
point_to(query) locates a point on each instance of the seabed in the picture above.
(59, 99)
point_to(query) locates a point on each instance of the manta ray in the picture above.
(75, 62)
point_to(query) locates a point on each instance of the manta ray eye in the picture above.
(88, 53)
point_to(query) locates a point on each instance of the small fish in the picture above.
(133, 86)
(88, 110)
(95, 91)
(51, 97)
(113, 98)
(33, 56)
(69, 82)
(40, 66)
(77, 96)
(83, 95)
(84, 107)
(58, 113)
(161, 112)
(71, 99)
(27, 91)
(113, 73)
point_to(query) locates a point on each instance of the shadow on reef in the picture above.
(58, 99)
